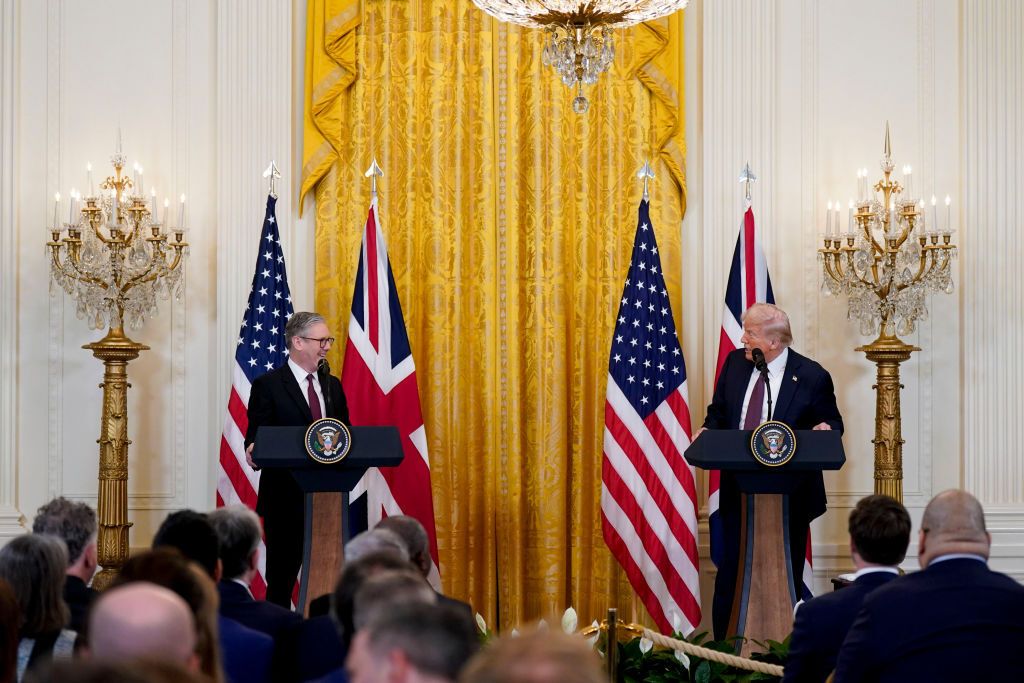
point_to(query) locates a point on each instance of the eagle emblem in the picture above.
(773, 443)
(328, 440)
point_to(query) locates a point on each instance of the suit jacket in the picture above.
(957, 620)
(821, 625)
(277, 401)
(236, 603)
(79, 598)
(247, 653)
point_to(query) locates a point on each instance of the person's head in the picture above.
(75, 524)
(308, 339)
(879, 531)
(238, 533)
(10, 626)
(81, 670)
(34, 565)
(412, 643)
(191, 533)
(414, 536)
(535, 657)
(953, 522)
(353, 576)
(372, 541)
(142, 619)
(766, 327)
(384, 591)
(167, 567)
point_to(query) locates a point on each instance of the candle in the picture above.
(71, 206)
(181, 212)
(908, 180)
(152, 203)
(849, 223)
(835, 218)
(116, 218)
(167, 203)
(142, 185)
(935, 214)
(860, 186)
(88, 173)
(56, 209)
(949, 224)
(828, 220)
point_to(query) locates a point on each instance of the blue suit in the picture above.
(247, 653)
(957, 620)
(806, 399)
(821, 625)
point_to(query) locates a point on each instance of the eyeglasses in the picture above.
(324, 341)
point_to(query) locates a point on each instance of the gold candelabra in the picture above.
(885, 263)
(114, 259)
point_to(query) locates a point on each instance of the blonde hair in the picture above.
(535, 657)
(771, 319)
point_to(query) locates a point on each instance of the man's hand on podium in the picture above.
(248, 457)
(697, 433)
(822, 426)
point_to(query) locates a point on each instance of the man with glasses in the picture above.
(290, 396)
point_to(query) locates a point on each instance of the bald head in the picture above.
(142, 620)
(953, 522)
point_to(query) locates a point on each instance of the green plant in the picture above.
(641, 663)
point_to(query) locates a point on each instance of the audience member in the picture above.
(372, 541)
(417, 543)
(75, 524)
(246, 653)
(353, 575)
(956, 620)
(413, 643)
(879, 535)
(535, 657)
(34, 567)
(142, 619)
(10, 625)
(386, 590)
(168, 568)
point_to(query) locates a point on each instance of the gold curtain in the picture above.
(509, 221)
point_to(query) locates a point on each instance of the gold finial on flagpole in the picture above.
(646, 173)
(746, 177)
(373, 173)
(273, 174)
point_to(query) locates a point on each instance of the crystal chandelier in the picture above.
(115, 257)
(580, 44)
(890, 256)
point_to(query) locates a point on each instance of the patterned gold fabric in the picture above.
(509, 221)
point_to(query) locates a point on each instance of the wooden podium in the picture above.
(766, 589)
(326, 488)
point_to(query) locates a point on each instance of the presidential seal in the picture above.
(328, 441)
(773, 443)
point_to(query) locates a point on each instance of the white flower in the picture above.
(542, 625)
(677, 623)
(646, 644)
(592, 640)
(480, 623)
(569, 620)
(514, 634)
(681, 656)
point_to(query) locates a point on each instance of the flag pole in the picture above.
(273, 174)
(746, 177)
(646, 173)
(372, 173)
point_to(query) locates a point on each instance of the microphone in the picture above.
(759, 362)
(323, 373)
(762, 366)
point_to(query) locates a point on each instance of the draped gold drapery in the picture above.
(509, 221)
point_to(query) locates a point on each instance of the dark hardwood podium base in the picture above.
(326, 532)
(765, 589)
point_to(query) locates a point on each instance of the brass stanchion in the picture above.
(611, 654)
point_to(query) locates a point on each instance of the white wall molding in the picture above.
(992, 113)
(10, 515)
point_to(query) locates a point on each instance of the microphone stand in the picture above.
(323, 371)
(768, 388)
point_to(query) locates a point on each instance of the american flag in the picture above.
(379, 378)
(749, 283)
(260, 347)
(648, 494)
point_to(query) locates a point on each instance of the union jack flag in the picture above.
(749, 283)
(260, 347)
(648, 491)
(379, 378)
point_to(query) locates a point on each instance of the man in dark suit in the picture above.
(75, 524)
(804, 398)
(290, 396)
(956, 620)
(879, 534)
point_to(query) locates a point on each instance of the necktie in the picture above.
(754, 405)
(314, 402)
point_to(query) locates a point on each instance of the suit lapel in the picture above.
(790, 383)
(291, 387)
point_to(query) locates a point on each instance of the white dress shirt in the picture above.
(776, 371)
(300, 377)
